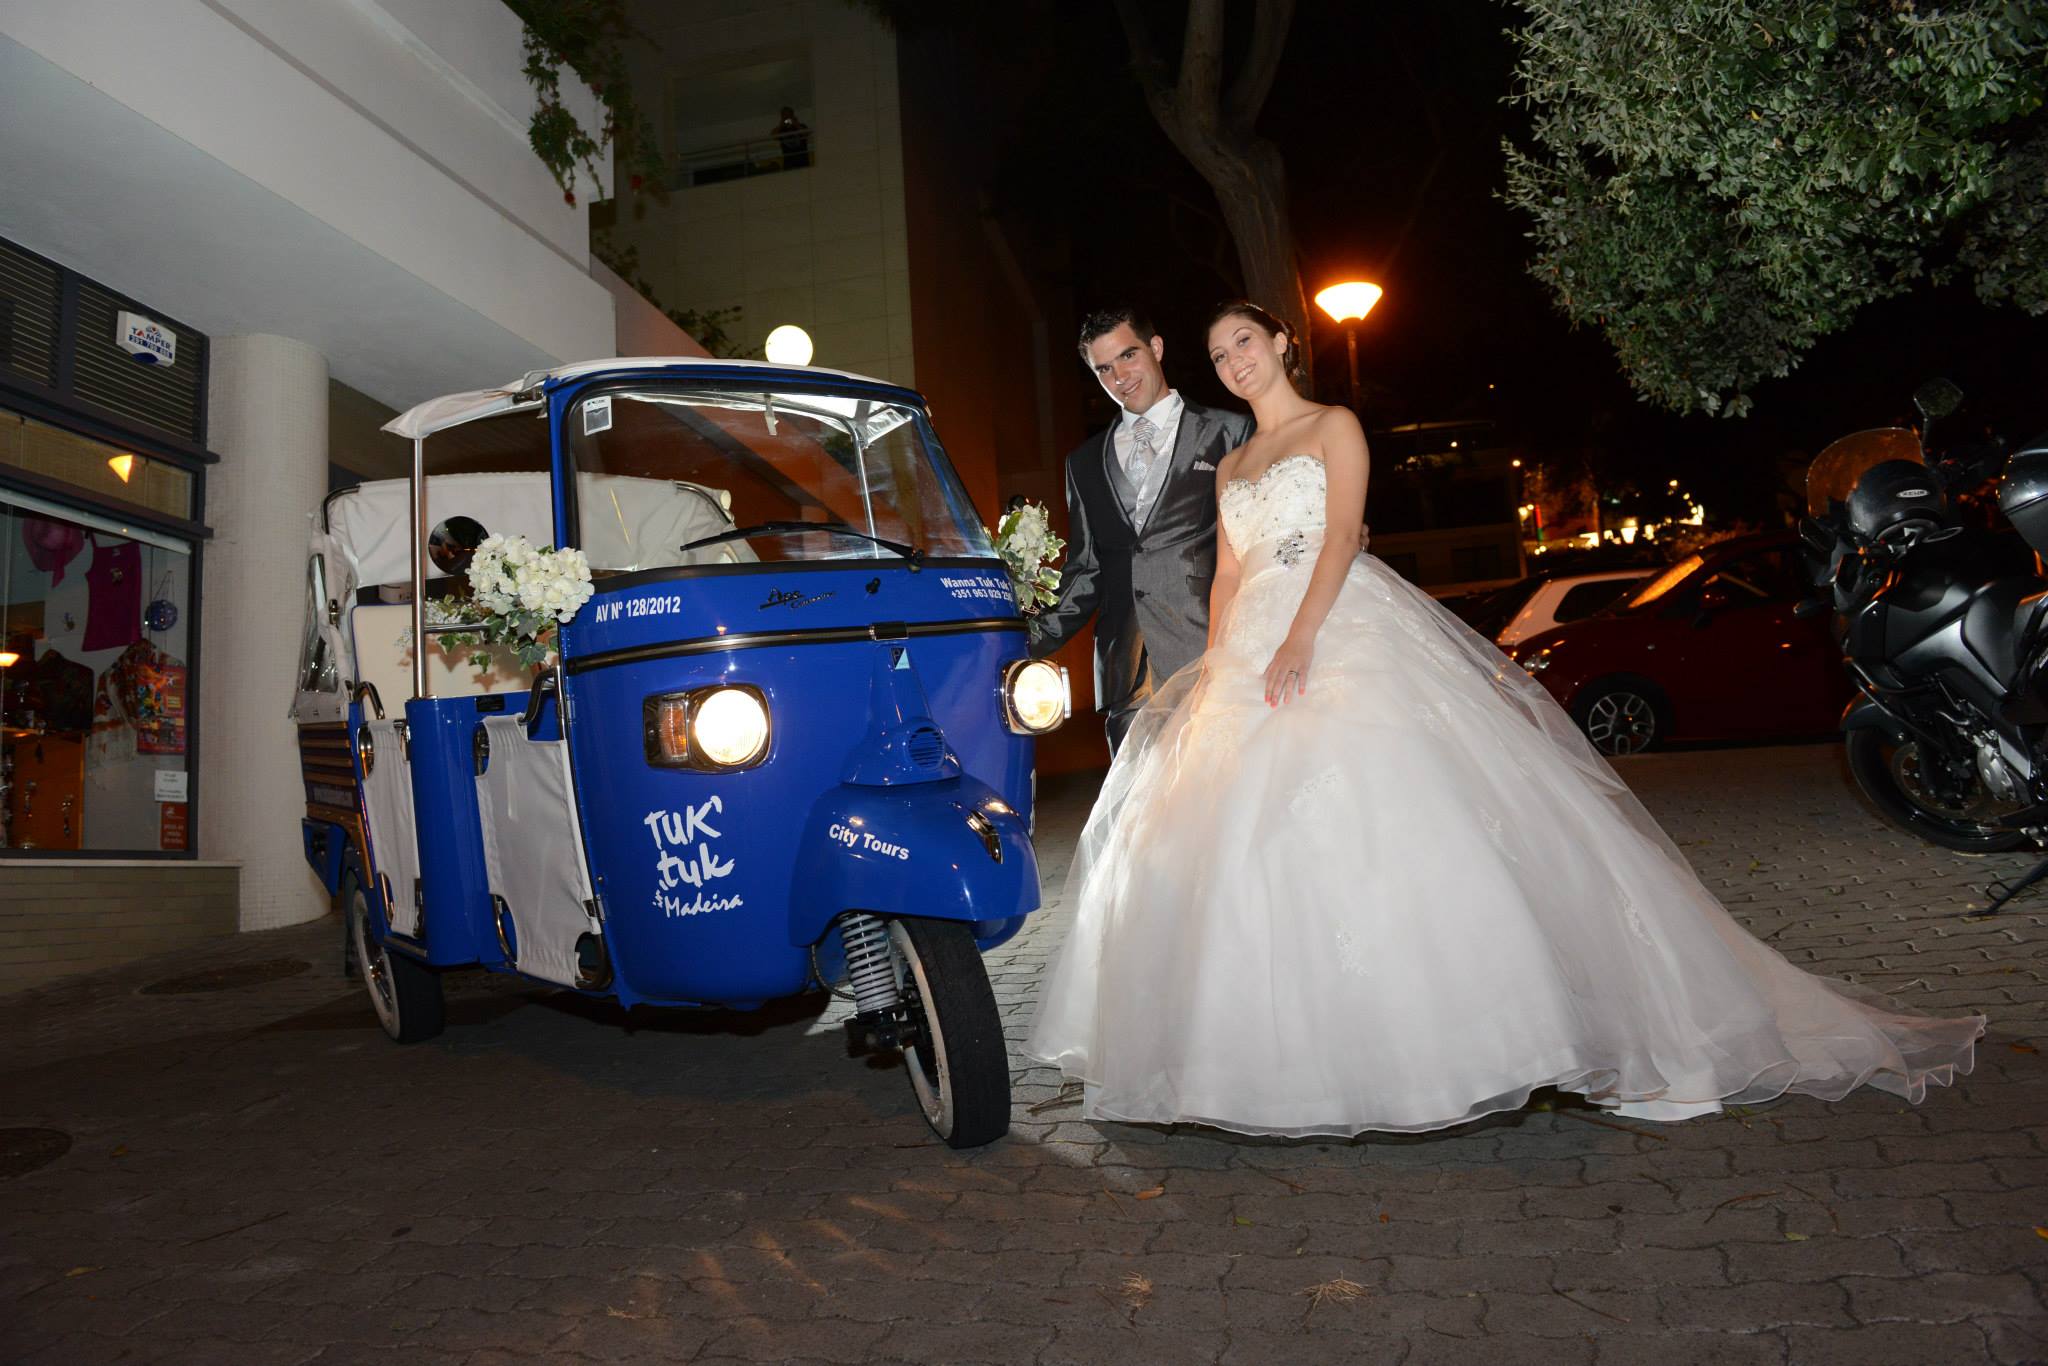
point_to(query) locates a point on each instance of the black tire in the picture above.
(406, 994)
(1622, 716)
(1876, 761)
(959, 1064)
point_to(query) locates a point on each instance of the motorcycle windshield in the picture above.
(1834, 472)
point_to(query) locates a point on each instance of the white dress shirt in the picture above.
(1165, 419)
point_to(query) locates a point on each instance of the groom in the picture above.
(1141, 507)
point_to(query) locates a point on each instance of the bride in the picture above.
(1355, 870)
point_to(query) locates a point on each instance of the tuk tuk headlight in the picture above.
(721, 727)
(1036, 697)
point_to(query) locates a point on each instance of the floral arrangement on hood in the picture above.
(519, 597)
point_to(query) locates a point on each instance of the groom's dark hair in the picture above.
(1104, 321)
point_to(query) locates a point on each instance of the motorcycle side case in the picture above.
(2023, 496)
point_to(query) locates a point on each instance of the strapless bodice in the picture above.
(1287, 503)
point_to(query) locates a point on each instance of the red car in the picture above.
(1707, 650)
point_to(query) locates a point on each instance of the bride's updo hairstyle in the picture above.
(1265, 322)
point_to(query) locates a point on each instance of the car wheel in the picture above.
(1621, 716)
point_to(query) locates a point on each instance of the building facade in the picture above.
(236, 234)
(823, 171)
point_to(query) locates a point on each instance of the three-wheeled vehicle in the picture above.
(787, 744)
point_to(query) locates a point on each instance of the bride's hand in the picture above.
(1287, 675)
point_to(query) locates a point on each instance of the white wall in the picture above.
(322, 170)
(823, 247)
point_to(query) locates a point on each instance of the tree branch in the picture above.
(1269, 38)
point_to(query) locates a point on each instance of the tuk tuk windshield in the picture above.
(803, 475)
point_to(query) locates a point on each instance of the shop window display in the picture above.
(95, 697)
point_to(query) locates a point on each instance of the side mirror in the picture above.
(1809, 608)
(1711, 600)
(1938, 398)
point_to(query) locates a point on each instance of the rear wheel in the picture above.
(405, 994)
(958, 1063)
(1620, 716)
(1944, 809)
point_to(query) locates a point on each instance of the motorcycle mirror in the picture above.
(1809, 608)
(1937, 398)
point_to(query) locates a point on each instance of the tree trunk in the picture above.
(1214, 131)
(1251, 189)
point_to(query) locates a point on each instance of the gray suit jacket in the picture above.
(1147, 587)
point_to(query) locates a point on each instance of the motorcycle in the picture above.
(1948, 733)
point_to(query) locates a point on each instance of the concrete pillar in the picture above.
(267, 418)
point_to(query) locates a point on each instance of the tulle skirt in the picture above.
(1410, 898)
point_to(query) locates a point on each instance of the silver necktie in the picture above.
(1142, 432)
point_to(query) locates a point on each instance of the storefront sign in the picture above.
(146, 339)
(172, 785)
(173, 825)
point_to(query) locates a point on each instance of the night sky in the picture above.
(1391, 118)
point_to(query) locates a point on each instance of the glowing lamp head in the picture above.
(8, 659)
(123, 466)
(1350, 301)
(788, 345)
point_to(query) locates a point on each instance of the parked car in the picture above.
(1708, 649)
(1541, 601)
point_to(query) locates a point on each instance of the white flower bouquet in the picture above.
(518, 598)
(1025, 541)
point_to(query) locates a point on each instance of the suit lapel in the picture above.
(1188, 440)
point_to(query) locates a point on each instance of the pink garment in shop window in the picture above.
(113, 610)
(51, 545)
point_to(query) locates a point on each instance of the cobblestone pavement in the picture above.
(257, 1177)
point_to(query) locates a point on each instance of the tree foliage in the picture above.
(587, 37)
(1717, 184)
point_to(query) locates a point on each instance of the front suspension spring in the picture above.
(870, 965)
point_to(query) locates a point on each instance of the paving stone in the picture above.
(1763, 1305)
(1132, 1346)
(1818, 1257)
(1639, 1267)
(1619, 1347)
(1944, 1297)
(1891, 1344)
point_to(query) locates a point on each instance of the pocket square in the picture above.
(1205, 465)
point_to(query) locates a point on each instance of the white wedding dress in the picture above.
(1411, 897)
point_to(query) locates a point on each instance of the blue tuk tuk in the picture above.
(785, 746)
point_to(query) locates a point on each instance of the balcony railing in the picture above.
(739, 160)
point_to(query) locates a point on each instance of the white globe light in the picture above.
(788, 345)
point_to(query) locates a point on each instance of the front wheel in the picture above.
(958, 1063)
(1894, 775)
(406, 995)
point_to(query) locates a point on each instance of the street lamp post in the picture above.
(1348, 303)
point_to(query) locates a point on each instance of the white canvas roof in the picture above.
(628, 523)
(452, 410)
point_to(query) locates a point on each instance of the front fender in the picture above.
(1864, 714)
(911, 851)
